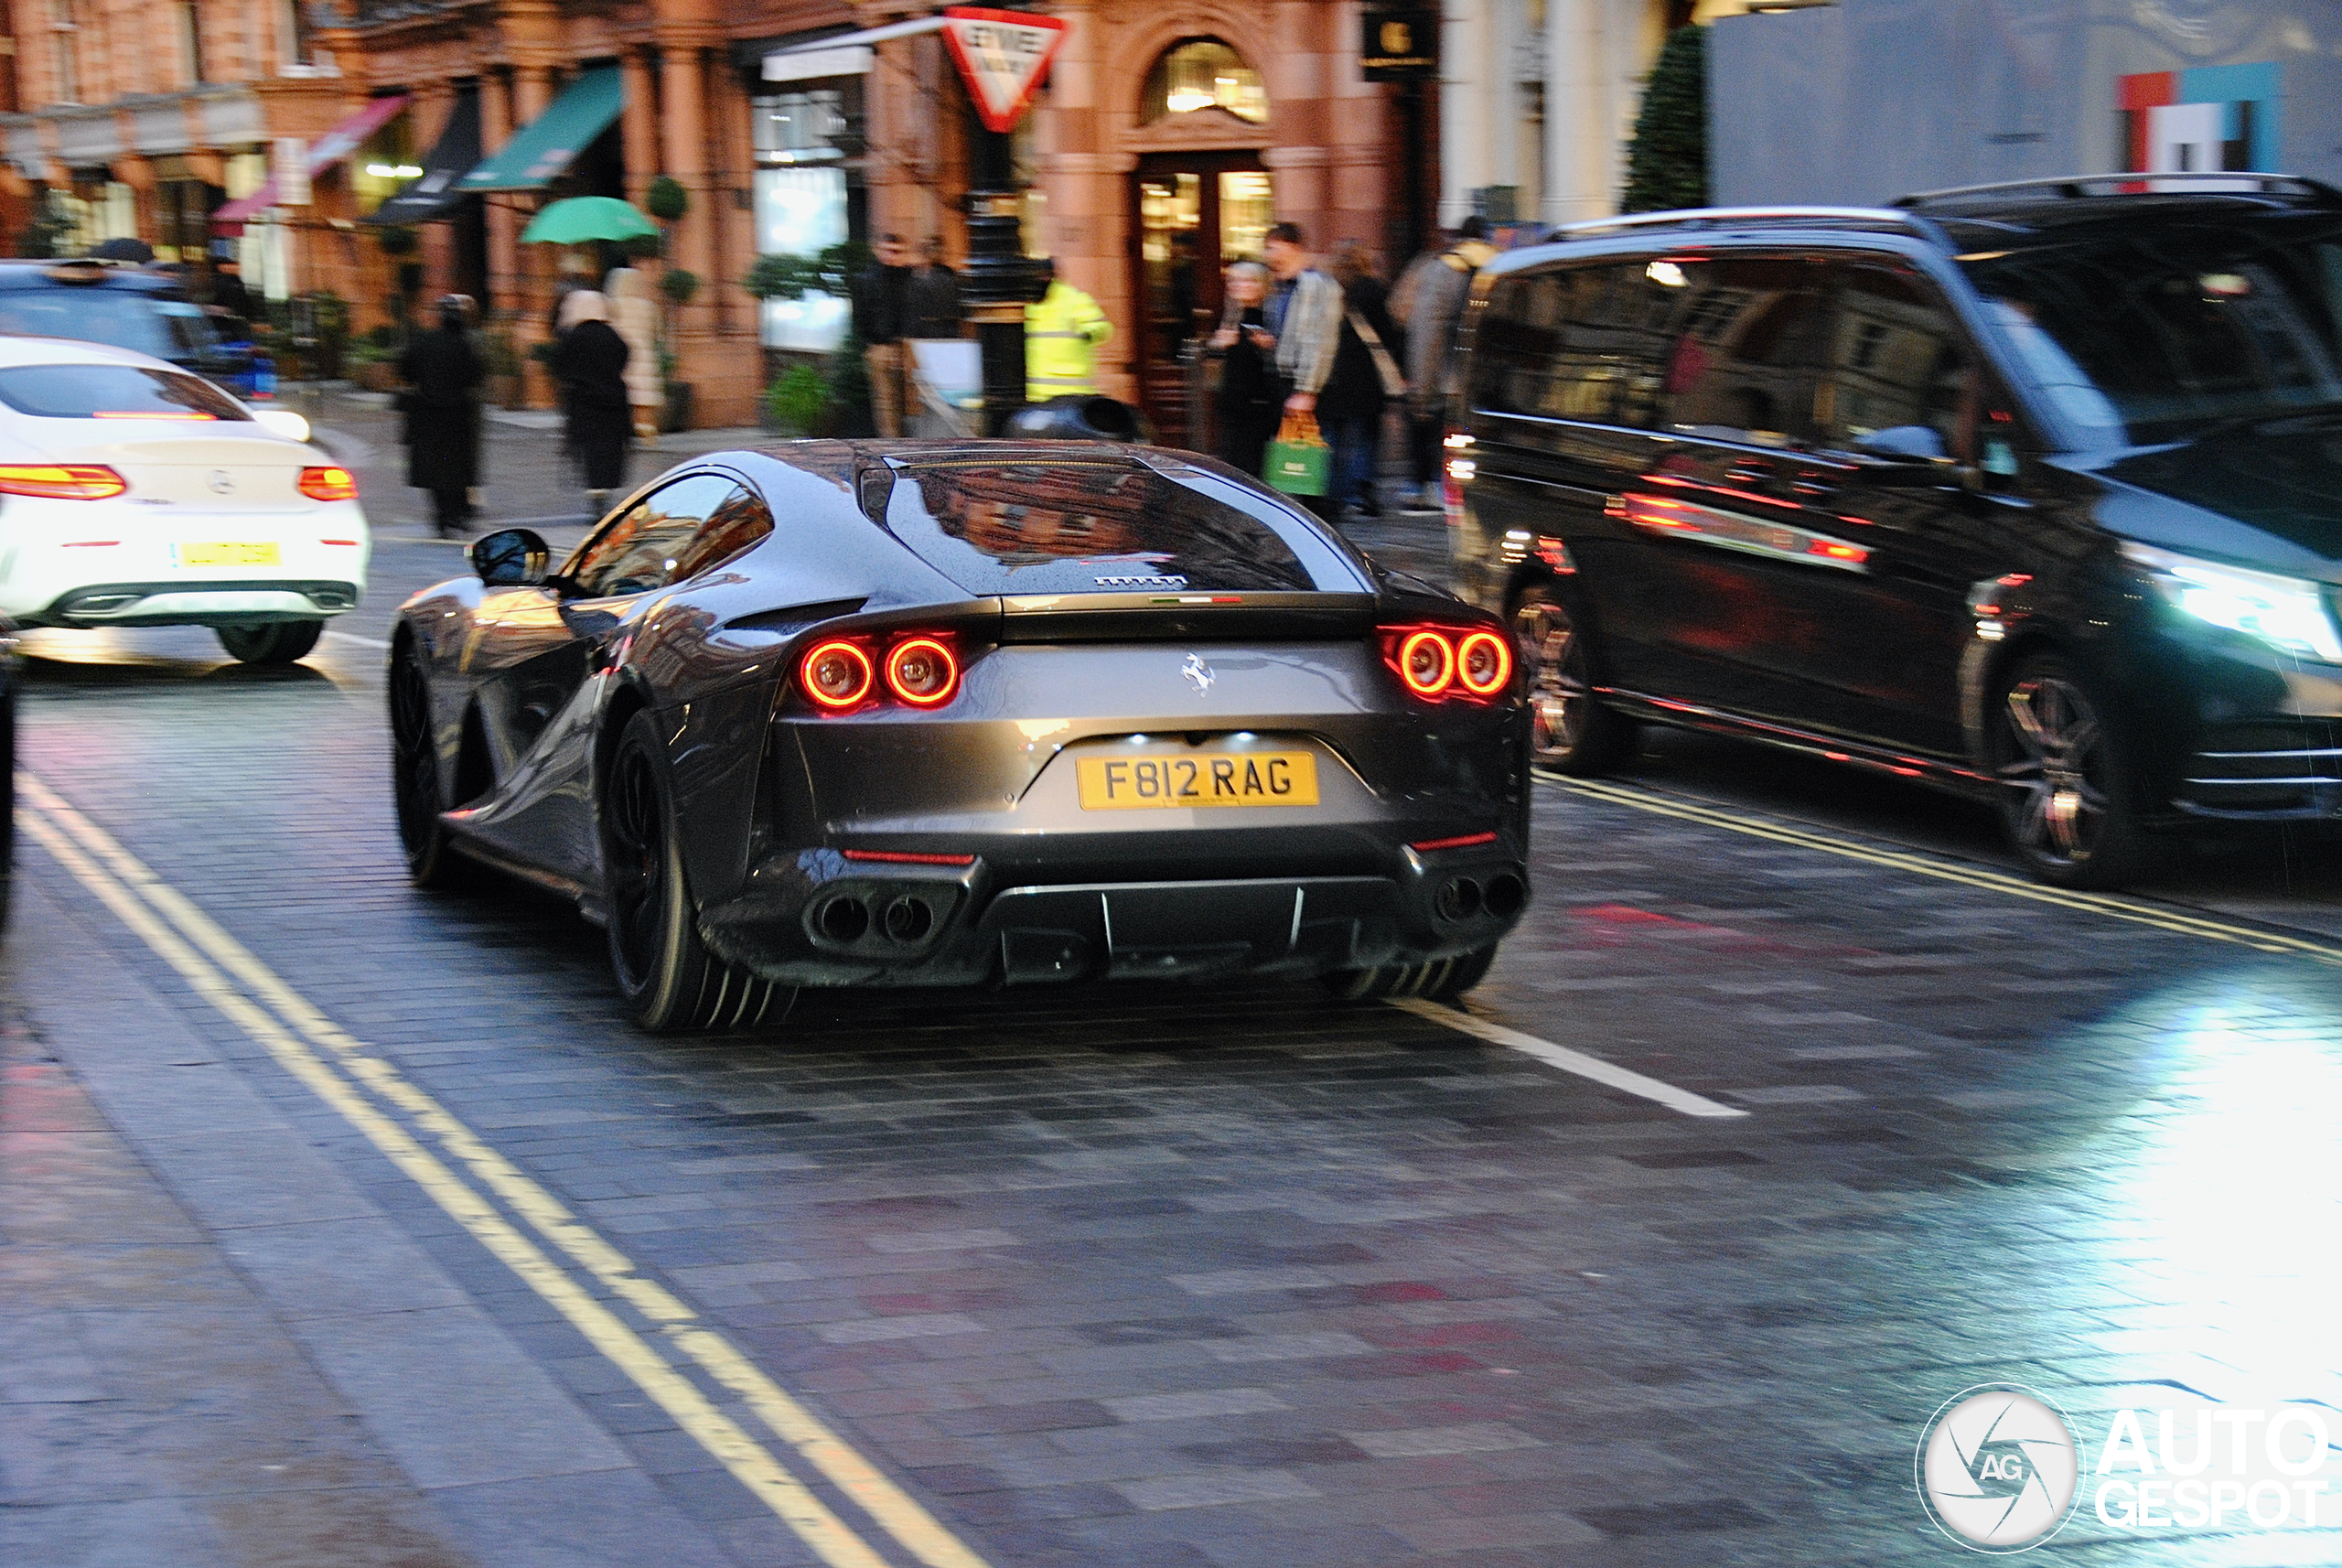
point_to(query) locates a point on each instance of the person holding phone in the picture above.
(1252, 397)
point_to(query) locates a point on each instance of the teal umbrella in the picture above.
(583, 218)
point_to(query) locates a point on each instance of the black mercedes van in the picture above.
(2030, 490)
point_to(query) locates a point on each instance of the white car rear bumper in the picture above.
(66, 563)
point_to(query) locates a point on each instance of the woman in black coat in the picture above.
(1252, 397)
(590, 364)
(1350, 409)
(443, 372)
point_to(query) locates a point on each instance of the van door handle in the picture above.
(1748, 471)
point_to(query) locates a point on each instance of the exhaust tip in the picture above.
(1459, 899)
(907, 919)
(844, 919)
(1505, 895)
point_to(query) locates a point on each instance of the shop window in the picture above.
(801, 200)
(1201, 74)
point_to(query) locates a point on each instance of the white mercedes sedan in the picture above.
(135, 494)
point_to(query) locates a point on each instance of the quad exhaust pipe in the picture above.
(848, 918)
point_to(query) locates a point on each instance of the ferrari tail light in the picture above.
(330, 484)
(1426, 662)
(1440, 662)
(922, 671)
(916, 669)
(836, 674)
(61, 481)
(1483, 663)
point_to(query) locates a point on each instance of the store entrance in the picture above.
(1196, 212)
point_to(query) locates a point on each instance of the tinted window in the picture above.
(737, 522)
(2149, 335)
(642, 547)
(1896, 359)
(1585, 343)
(166, 329)
(112, 392)
(1103, 528)
(1729, 348)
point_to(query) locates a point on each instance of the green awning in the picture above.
(540, 150)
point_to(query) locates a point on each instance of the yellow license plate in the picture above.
(1198, 779)
(229, 554)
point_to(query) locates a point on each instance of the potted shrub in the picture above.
(503, 363)
(679, 285)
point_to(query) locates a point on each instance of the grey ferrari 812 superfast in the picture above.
(911, 713)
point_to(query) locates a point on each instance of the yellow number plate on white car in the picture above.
(1198, 778)
(231, 553)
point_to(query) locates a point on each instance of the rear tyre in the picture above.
(2067, 800)
(670, 981)
(1570, 730)
(1440, 979)
(277, 642)
(432, 860)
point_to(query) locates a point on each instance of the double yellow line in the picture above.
(468, 1180)
(2112, 906)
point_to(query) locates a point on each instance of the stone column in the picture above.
(639, 121)
(494, 130)
(1579, 119)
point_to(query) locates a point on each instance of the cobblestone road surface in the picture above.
(1123, 1276)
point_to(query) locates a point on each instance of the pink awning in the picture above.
(324, 153)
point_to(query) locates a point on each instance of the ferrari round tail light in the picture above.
(1483, 664)
(836, 673)
(922, 671)
(330, 484)
(61, 481)
(1426, 662)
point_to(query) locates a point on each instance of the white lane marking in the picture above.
(362, 641)
(1568, 1060)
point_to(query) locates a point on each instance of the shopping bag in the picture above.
(1299, 461)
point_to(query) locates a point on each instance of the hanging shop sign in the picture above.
(1397, 43)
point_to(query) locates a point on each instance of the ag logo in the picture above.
(1997, 1469)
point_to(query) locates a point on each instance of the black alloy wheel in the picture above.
(1440, 979)
(274, 642)
(670, 981)
(2066, 799)
(432, 859)
(1570, 730)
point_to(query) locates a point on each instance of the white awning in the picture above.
(841, 54)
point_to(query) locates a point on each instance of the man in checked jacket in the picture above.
(1303, 310)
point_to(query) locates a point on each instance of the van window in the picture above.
(1578, 343)
(1748, 342)
(1895, 358)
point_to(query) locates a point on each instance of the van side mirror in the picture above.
(512, 558)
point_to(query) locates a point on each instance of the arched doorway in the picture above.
(1200, 199)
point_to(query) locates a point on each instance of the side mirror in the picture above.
(512, 558)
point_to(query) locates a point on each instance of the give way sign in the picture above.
(1002, 55)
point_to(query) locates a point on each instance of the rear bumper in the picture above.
(821, 919)
(184, 603)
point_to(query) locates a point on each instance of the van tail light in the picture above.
(1456, 467)
(61, 481)
(1440, 662)
(916, 669)
(330, 484)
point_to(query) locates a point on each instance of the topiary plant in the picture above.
(798, 400)
(666, 200)
(1667, 165)
(679, 284)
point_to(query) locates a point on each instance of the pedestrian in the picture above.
(877, 299)
(635, 315)
(1251, 396)
(1364, 378)
(1063, 329)
(589, 362)
(1427, 303)
(228, 291)
(931, 298)
(1304, 310)
(443, 372)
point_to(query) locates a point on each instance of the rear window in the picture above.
(112, 392)
(127, 318)
(1103, 528)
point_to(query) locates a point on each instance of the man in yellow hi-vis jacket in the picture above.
(1062, 331)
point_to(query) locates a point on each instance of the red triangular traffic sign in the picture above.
(1002, 55)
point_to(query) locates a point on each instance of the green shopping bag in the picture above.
(1300, 463)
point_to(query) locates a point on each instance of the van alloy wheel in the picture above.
(1571, 731)
(2064, 799)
